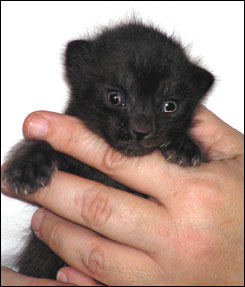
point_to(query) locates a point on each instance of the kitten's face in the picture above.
(134, 87)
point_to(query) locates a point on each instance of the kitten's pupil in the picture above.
(116, 99)
(169, 107)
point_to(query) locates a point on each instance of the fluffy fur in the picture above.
(135, 87)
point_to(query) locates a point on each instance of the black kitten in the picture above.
(135, 87)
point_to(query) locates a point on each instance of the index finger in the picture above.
(69, 135)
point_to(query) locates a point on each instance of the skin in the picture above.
(190, 232)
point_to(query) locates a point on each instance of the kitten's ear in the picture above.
(76, 51)
(76, 55)
(201, 79)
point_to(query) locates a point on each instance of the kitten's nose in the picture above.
(140, 126)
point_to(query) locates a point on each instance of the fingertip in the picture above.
(35, 125)
(70, 275)
(62, 277)
(27, 121)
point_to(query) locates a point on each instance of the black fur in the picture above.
(138, 69)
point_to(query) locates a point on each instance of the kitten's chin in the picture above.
(135, 150)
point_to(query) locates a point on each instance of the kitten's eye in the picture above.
(116, 99)
(169, 107)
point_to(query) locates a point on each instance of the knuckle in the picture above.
(95, 261)
(189, 242)
(67, 138)
(96, 207)
(113, 160)
(54, 235)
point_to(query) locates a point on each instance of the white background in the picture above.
(34, 35)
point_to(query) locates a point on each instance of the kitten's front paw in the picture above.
(183, 152)
(30, 166)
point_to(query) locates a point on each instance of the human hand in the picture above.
(12, 278)
(189, 233)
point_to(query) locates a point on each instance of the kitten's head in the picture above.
(134, 86)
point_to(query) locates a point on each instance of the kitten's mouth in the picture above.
(140, 148)
(134, 149)
(148, 143)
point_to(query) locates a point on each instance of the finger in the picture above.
(67, 134)
(12, 278)
(100, 258)
(70, 275)
(100, 208)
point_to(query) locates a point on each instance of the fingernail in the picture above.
(38, 127)
(37, 220)
(62, 277)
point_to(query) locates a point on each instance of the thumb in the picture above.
(218, 139)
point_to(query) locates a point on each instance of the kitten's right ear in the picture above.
(76, 55)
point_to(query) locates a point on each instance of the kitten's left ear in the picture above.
(201, 79)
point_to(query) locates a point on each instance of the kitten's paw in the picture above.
(30, 167)
(184, 153)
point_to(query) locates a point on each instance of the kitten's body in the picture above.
(133, 86)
